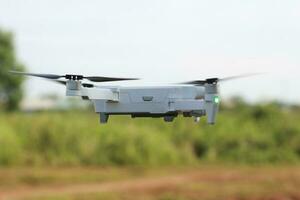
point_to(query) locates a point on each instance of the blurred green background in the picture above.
(251, 134)
(245, 133)
(59, 148)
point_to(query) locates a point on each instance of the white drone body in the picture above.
(167, 102)
(193, 99)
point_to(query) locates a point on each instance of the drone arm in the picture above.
(101, 93)
(211, 102)
(95, 93)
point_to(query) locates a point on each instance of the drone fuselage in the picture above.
(199, 98)
(165, 101)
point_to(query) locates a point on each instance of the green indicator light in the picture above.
(216, 99)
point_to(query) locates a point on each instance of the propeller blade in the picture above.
(107, 79)
(202, 82)
(75, 77)
(239, 76)
(196, 82)
(88, 85)
(49, 76)
(61, 82)
(217, 80)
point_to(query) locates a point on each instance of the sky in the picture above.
(161, 41)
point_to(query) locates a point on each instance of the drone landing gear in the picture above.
(103, 118)
(168, 118)
(196, 119)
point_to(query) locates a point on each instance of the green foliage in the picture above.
(10, 146)
(244, 134)
(10, 86)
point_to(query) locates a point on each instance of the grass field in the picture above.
(252, 134)
(253, 152)
(165, 183)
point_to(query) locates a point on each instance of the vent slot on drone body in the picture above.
(147, 98)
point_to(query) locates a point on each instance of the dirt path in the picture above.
(137, 184)
(256, 183)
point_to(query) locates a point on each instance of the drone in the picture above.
(195, 99)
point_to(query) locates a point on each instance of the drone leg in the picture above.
(103, 118)
(168, 118)
(196, 119)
